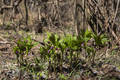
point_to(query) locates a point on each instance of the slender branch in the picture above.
(117, 7)
(16, 4)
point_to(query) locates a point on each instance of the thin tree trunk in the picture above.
(84, 17)
(26, 12)
(76, 20)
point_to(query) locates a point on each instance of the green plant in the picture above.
(22, 48)
(91, 53)
(37, 68)
(52, 50)
(41, 76)
(84, 38)
(56, 47)
(100, 40)
(62, 77)
(71, 44)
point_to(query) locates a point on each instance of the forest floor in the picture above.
(107, 62)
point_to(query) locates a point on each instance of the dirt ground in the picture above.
(109, 59)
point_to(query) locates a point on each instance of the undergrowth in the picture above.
(58, 52)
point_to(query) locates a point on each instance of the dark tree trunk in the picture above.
(26, 12)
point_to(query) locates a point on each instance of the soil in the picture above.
(108, 65)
